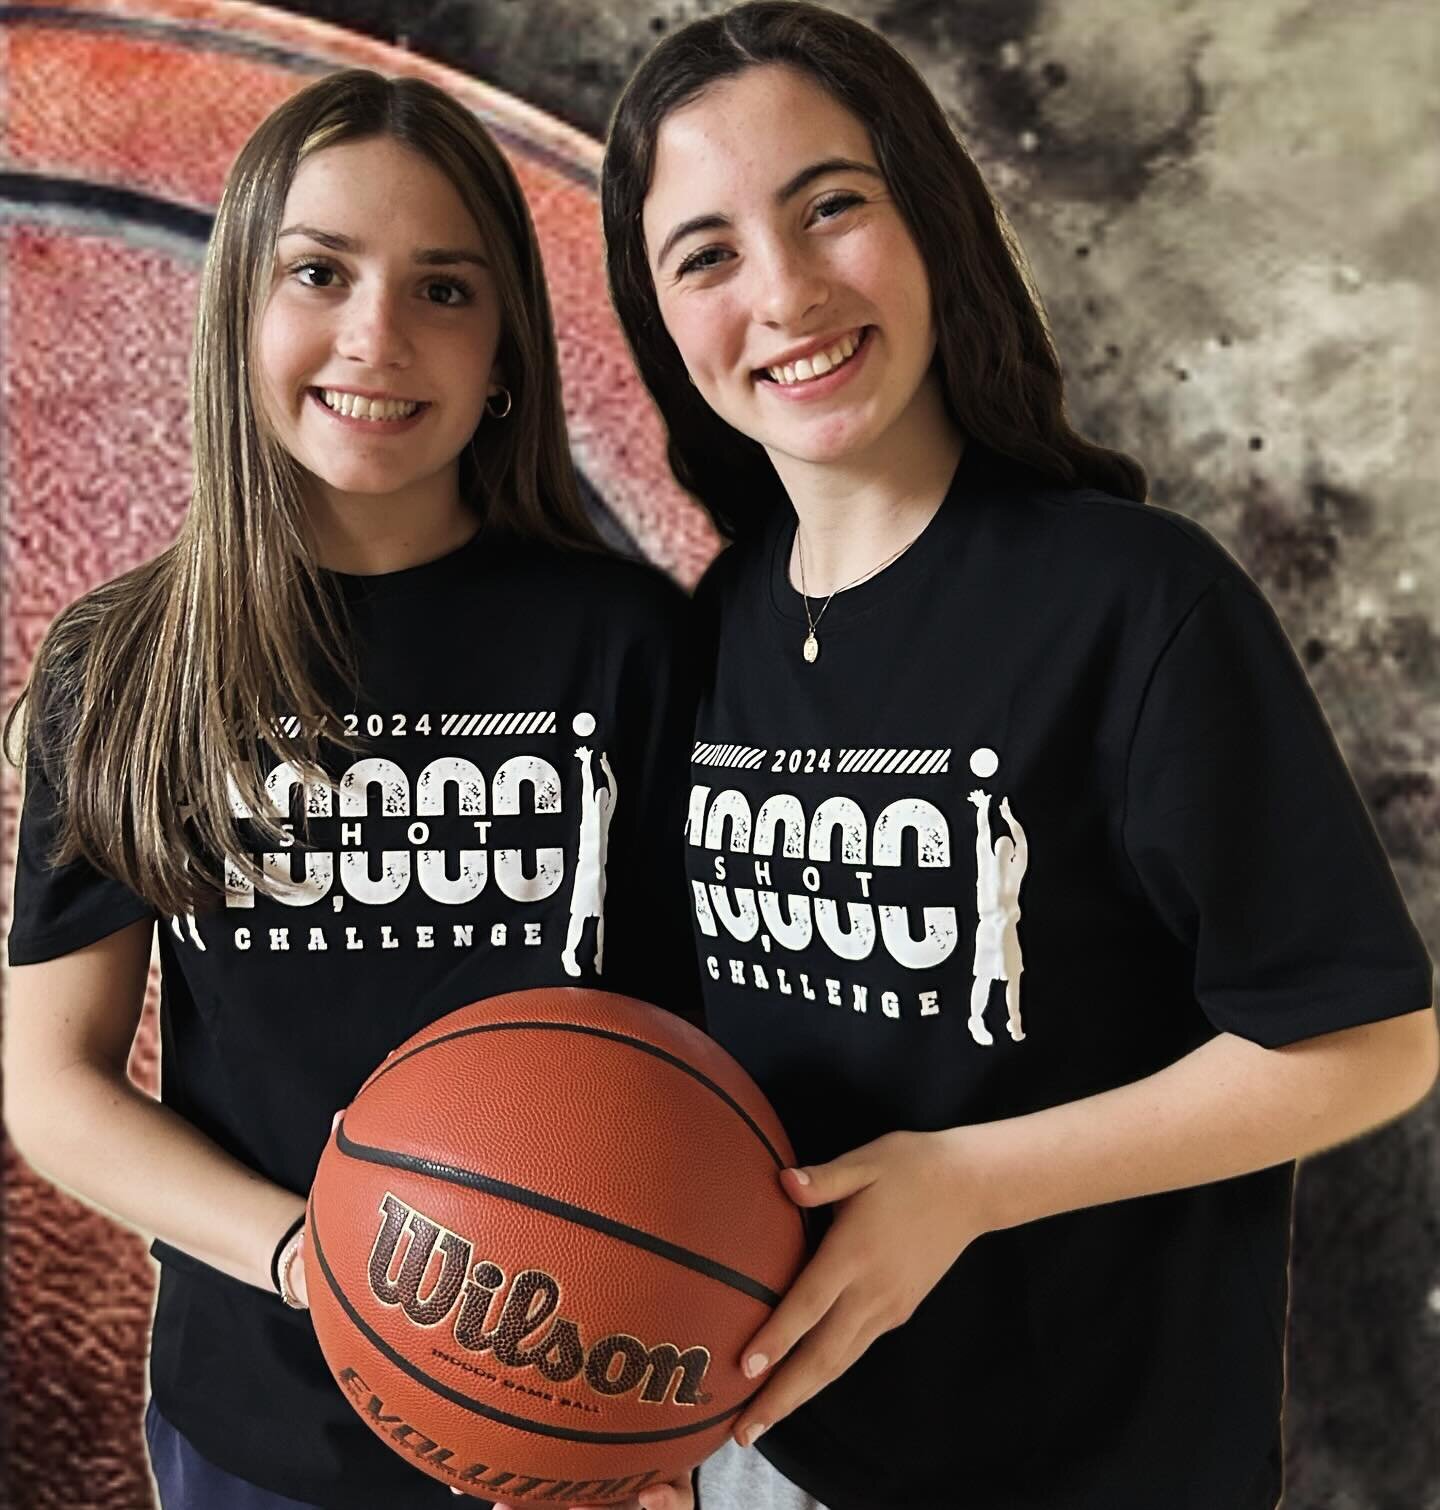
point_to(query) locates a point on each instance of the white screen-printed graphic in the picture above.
(999, 871)
(448, 790)
(597, 808)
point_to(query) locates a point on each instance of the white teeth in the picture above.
(354, 407)
(808, 368)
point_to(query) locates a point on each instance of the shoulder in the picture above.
(634, 592)
(1085, 543)
(56, 689)
(738, 562)
(627, 594)
(627, 611)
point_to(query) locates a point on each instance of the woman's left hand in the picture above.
(677, 1495)
(909, 1210)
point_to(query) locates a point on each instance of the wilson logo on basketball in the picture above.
(469, 1290)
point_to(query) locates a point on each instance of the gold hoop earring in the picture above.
(490, 409)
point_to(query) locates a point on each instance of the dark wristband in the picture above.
(289, 1232)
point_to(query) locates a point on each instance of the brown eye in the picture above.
(314, 267)
(701, 261)
(836, 204)
(455, 286)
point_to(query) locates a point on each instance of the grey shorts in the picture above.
(738, 1478)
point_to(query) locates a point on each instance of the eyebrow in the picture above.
(433, 256)
(787, 191)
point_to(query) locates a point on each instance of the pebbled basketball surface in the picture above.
(117, 125)
(622, 1178)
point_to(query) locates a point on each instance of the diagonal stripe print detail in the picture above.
(895, 762)
(468, 725)
(739, 757)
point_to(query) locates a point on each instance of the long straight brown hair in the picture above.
(156, 700)
(1000, 375)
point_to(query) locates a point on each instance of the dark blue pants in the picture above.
(189, 1482)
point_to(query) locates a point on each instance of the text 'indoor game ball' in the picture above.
(540, 1237)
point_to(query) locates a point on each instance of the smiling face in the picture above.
(787, 276)
(376, 349)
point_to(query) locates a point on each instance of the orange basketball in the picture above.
(540, 1237)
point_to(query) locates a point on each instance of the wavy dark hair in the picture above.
(999, 372)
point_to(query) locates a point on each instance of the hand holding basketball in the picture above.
(911, 1207)
(299, 1286)
(297, 1279)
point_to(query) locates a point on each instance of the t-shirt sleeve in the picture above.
(59, 909)
(649, 949)
(704, 617)
(1251, 841)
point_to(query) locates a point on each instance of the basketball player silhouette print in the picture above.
(587, 899)
(999, 872)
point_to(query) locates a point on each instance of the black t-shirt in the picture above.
(1057, 771)
(523, 713)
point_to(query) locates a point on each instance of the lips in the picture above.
(817, 388)
(375, 406)
(377, 416)
(817, 362)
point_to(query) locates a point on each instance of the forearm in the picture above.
(140, 1163)
(1226, 1109)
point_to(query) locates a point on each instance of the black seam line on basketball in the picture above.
(199, 39)
(478, 1407)
(472, 1179)
(132, 206)
(625, 1038)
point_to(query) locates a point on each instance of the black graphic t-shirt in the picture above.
(523, 713)
(1053, 806)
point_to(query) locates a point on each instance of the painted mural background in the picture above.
(1230, 212)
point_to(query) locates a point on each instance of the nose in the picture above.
(373, 332)
(789, 285)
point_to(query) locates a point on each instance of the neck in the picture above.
(854, 515)
(368, 534)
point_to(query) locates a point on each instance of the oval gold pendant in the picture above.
(812, 648)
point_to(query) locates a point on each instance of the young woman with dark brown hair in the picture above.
(1026, 876)
(337, 751)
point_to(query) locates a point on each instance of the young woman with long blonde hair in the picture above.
(341, 751)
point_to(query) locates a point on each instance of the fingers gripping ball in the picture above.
(538, 1240)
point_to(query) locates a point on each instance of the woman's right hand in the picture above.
(297, 1277)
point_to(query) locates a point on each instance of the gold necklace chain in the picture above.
(811, 650)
